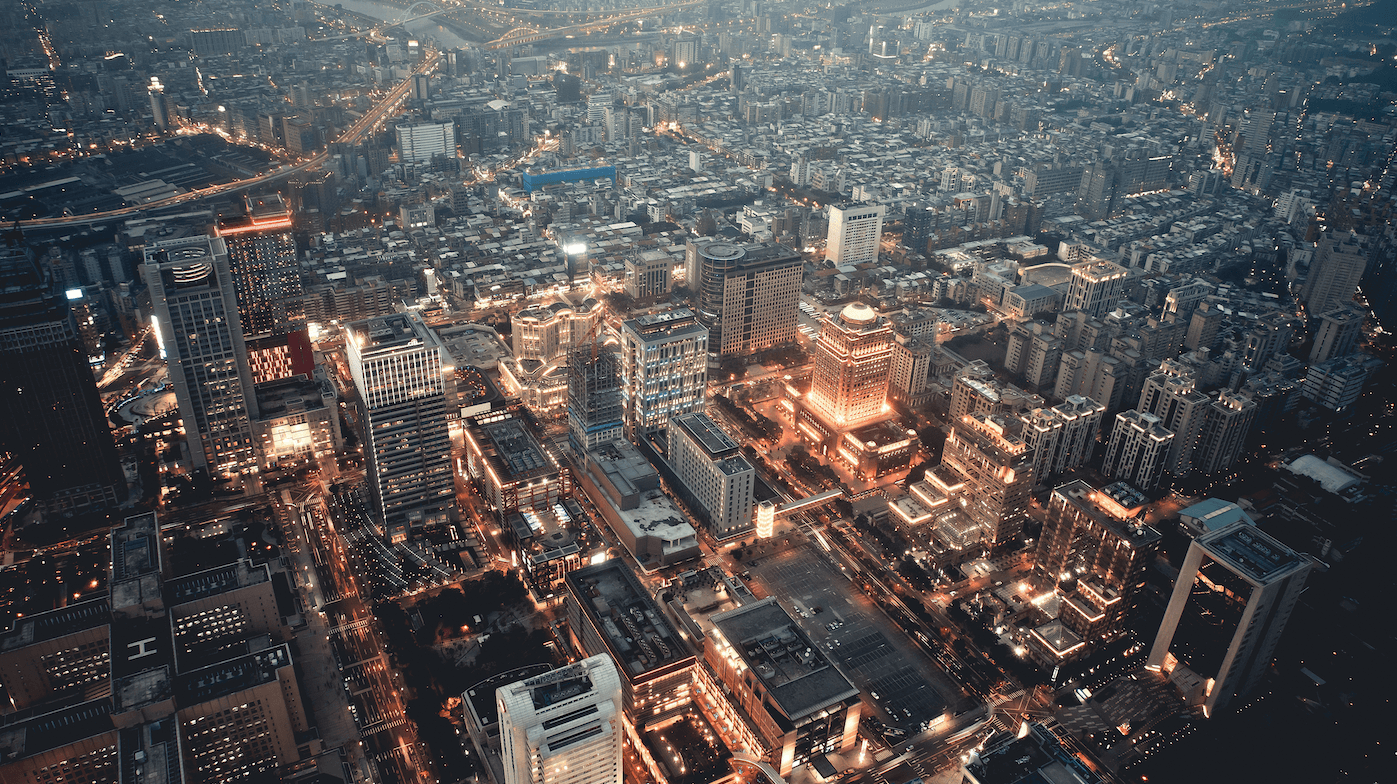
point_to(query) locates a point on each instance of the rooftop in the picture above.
(637, 634)
(219, 579)
(232, 676)
(798, 677)
(1252, 553)
(391, 331)
(56, 623)
(704, 432)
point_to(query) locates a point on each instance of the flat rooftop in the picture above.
(56, 623)
(211, 582)
(37, 734)
(232, 676)
(391, 331)
(638, 635)
(1253, 553)
(706, 434)
(510, 448)
(795, 673)
(1105, 508)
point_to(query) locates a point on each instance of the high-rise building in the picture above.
(713, 470)
(1229, 421)
(196, 323)
(1096, 286)
(1062, 437)
(649, 274)
(1138, 449)
(996, 467)
(664, 367)
(1171, 394)
(1203, 326)
(406, 388)
(566, 726)
(749, 295)
(262, 255)
(917, 226)
(421, 142)
(913, 363)
(596, 403)
(1338, 333)
(1231, 601)
(855, 233)
(852, 359)
(1270, 336)
(1095, 551)
(1336, 384)
(1334, 273)
(53, 422)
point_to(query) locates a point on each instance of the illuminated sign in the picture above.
(73, 294)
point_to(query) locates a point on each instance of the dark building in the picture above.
(53, 420)
(262, 254)
(917, 227)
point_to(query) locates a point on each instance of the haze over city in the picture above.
(701, 392)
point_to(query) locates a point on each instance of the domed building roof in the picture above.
(858, 313)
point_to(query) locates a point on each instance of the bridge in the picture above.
(385, 24)
(767, 511)
(528, 35)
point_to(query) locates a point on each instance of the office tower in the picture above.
(800, 705)
(1229, 421)
(563, 727)
(196, 323)
(917, 226)
(406, 389)
(716, 475)
(1062, 437)
(421, 87)
(596, 402)
(1203, 326)
(266, 273)
(1338, 333)
(748, 295)
(1335, 271)
(158, 110)
(53, 424)
(1138, 449)
(1095, 550)
(421, 142)
(649, 274)
(1095, 287)
(549, 333)
(997, 469)
(855, 233)
(853, 355)
(664, 367)
(912, 366)
(1336, 384)
(1231, 601)
(1270, 336)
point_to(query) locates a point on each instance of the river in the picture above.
(423, 27)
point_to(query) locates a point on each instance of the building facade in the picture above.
(1095, 287)
(563, 727)
(855, 233)
(853, 357)
(664, 367)
(195, 305)
(263, 258)
(406, 388)
(716, 474)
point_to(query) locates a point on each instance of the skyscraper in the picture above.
(1231, 601)
(53, 421)
(262, 255)
(1138, 449)
(664, 364)
(1096, 286)
(1229, 421)
(1338, 333)
(1062, 437)
(997, 469)
(421, 142)
(852, 360)
(1096, 552)
(200, 334)
(1171, 394)
(406, 386)
(563, 727)
(855, 233)
(714, 472)
(596, 404)
(1334, 274)
(748, 295)
(917, 225)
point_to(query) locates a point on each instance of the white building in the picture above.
(1138, 449)
(664, 367)
(421, 142)
(854, 233)
(716, 475)
(563, 727)
(405, 380)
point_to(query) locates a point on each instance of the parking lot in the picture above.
(880, 659)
